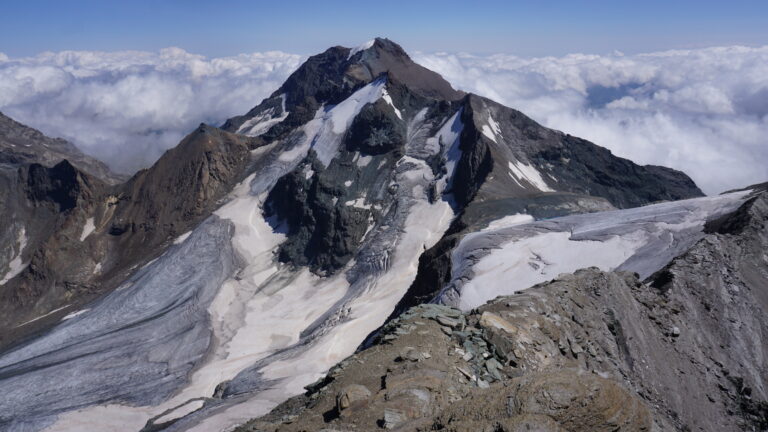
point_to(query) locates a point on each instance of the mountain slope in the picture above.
(250, 259)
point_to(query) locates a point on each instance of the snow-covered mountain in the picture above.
(253, 257)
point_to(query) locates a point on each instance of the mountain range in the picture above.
(418, 241)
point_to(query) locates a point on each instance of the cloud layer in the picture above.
(702, 111)
(127, 108)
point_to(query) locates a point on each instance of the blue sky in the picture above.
(535, 28)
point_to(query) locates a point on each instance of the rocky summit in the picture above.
(369, 248)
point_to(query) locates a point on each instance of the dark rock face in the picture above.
(593, 170)
(565, 163)
(330, 77)
(589, 351)
(46, 208)
(323, 233)
(59, 185)
(376, 130)
(182, 187)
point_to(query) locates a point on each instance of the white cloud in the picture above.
(702, 111)
(126, 108)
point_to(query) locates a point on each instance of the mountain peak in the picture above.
(360, 48)
(378, 45)
(21, 144)
(331, 77)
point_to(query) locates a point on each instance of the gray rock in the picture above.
(351, 396)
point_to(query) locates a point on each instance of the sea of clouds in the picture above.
(126, 108)
(703, 111)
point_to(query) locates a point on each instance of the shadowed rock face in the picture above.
(590, 351)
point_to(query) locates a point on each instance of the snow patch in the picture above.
(261, 123)
(447, 140)
(363, 161)
(42, 316)
(308, 173)
(16, 265)
(513, 253)
(521, 171)
(74, 314)
(358, 203)
(180, 239)
(87, 229)
(363, 47)
(494, 125)
(387, 98)
(324, 132)
(492, 129)
(525, 263)
(342, 114)
(508, 221)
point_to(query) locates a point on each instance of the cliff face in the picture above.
(590, 351)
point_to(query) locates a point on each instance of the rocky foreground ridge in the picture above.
(683, 350)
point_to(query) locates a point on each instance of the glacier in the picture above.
(513, 254)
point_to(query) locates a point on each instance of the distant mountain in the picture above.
(20, 144)
(251, 258)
